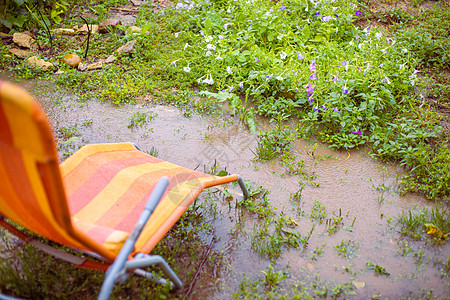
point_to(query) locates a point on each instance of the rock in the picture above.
(94, 66)
(58, 72)
(136, 2)
(133, 29)
(23, 40)
(40, 63)
(84, 29)
(128, 47)
(110, 59)
(108, 24)
(82, 67)
(72, 60)
(64, 31)
(6, 38)
(126, 20)
(20, 53)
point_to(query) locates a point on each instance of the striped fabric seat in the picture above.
(92, 200)
(108, 186)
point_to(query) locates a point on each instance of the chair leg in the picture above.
(144, 260)
(243, 187)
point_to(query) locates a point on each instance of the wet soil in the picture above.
(352, 185)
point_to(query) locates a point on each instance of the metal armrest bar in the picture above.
(118, 265)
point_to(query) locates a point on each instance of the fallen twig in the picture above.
(191, 286)
(125, 9)
(88, 37)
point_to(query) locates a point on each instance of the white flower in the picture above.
(378, 35)
(383, 50)
(209, 80)
(174, 63)
(187, 69)
(208, 53)
(221, 37)
(283, 55)
(386, 80)
(219, 58)
(279, 78)
(405, 50)
(225, 26)
(241, 85)
(176, 34)
(326, 18)
(202, 33)
(351, 43)
(186, 45)
(210, 47)
(208, 39)
(229, 70)
(366, 30)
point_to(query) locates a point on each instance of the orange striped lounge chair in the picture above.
(109, 200)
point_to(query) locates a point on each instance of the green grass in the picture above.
(412, 222)
(269, 59)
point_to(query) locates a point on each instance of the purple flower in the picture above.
(358, 132)
(241, 85)
(313, 66)
(313, 76)
(345, 90)
(257, 59)
(326, 18)
(310, 99)
(269, 76)
(309, 89)
(317, 13)
(357, 36)
(335, 78)
(230, 89)
(300, 56)
(337, 17)
(282, 7)
(344, 63)
(336, 110)
(324, 107)
(358, 12)
(315, 108)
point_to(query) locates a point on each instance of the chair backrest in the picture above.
(31, 188)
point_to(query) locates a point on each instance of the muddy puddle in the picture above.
(352, 185)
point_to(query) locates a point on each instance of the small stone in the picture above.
(23, 40)
(58, 72)
(64, 31)
(40, 63)
(94, 66)
(133, 29)
(20, 53)
(110, 59)
(6, 38)
(136, 2)
(82, 67)
(72, 60)
(128, 47)
(84, 29)
(108, 24)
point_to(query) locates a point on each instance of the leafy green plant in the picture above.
(274, 142)
(273, 278)
(139, 119)
(318, 211)
(377, 268)
(347, 249)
